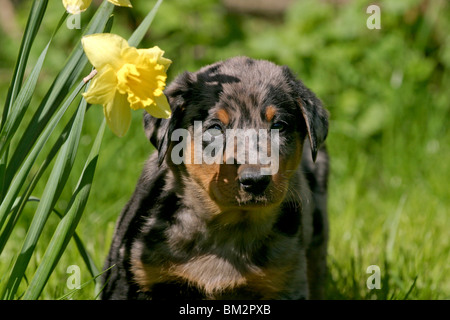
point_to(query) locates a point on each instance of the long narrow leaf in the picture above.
(21, 103)
(33, 24)
(90, 264)
(34, 21)
(15, 213)
(20, 178)
(56, 94)
(413, 285)
(67, 226)
(53, 189)
(18, 207)
(3, 165)
(140, 32)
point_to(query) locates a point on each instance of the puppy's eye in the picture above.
(215, 130)
(279, 125)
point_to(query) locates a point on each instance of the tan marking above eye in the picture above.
(270, 113)
(223, 116)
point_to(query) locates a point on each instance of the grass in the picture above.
(388, 207)
(388, 144)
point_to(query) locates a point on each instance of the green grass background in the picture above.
(388, 92)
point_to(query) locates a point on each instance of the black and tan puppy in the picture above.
(225, 230)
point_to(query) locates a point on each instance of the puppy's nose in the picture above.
(253, 181)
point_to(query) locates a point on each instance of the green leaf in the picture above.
(34, 21)
(22, 201)
(21, 103)
(140, 32)
(66, 78)
(90, 264)
(411, 288)
(33, 24)
(3, 165)
(66, 228)
(15, 213)
(21, 176)
(53, 189)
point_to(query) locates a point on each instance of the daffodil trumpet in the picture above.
(127, 78)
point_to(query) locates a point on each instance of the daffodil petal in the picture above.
(122, 3)
(76, 6)
(104, 49)
(161, 109)
(118, 114)
(157, 53)
(102, 88)
(130, 54)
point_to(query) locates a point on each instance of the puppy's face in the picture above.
(238, 129)
(238, 178)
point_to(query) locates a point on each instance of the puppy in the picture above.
(228, 229)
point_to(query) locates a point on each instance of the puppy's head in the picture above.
(237, 130)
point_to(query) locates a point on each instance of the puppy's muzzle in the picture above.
(252, 181)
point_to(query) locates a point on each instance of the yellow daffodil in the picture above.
(77, 6)
(127, 78)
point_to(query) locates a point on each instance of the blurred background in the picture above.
(388, 93)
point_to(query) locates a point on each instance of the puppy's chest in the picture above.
(219, 270)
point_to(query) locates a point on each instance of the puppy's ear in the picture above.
(315, 116)
(154, 128)
(158, 131)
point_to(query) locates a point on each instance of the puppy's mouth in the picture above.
(245, 207)
(237, 198)
(250, 200)
(246, 189)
